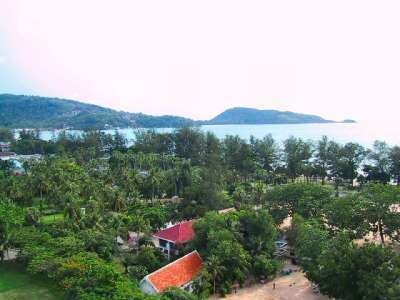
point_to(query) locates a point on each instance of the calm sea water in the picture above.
(364, 133)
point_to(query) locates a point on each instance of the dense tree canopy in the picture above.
(68, 209)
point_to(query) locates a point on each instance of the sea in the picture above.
(364, 133)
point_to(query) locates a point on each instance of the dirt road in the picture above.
(294, 286)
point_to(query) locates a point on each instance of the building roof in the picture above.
(179, 233)
(7, 154)
(177, 273)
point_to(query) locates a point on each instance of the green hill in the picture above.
(242, 115)
(18, 111)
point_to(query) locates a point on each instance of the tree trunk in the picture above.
(380, 225)
(214, 285)
(337, 190)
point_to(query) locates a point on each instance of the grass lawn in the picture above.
(48, 219)
(17, 284)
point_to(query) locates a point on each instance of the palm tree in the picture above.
(118, 201)
(215, 268)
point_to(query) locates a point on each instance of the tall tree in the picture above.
(297, 154)
(265, 152)
(378, 208)
(378, 168)
(394, 162)
(352, 155)
(10, 217)
(322, 155)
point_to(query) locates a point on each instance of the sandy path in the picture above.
(293, 286)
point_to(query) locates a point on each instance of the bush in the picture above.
(264, 266)
(178, 294)
(137, 272)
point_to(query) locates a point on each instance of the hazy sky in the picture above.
(338, 59)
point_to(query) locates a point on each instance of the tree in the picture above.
(322, 155)
(352, 155)
(258, 232)
(264, 266)
(303, 198)
(6, 135)
(347, 213)
(151, 258)
(215, 268)
(238, 158)
(265, 152)
(84, 276)
(178, 294)
(394, 162)
(348, 272)
(379, 167)
(189, 144)
(296, 156)
(377, 208)
(10, 217)
(231, 255)
(309, 239)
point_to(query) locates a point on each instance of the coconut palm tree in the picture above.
(214, 266)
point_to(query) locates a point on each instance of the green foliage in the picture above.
(264, 266)
(10, 217)
(6, 135)
(394, 163)
(348, 272)
(84, 276)
(150, 257)
(137, 272)
(99, 189)
(305, 199)
(296, 156)
(377, 209)
(347, 213)
(103, 243)
(258, 231)
(242, 115)
(178, 294)
(378, 168)
(17, 111)
(228, 241)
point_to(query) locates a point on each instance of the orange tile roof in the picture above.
(177, 273)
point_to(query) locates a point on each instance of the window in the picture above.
(163, 243)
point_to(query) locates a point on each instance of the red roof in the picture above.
(177, 273)
(179, 233)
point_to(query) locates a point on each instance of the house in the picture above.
(5, 146)
(7, 155)
(171, 239)
(179, 273)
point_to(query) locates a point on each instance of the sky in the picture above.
(337, 59)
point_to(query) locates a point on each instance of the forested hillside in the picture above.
(242, 115)
(39, 112)
(18, 111)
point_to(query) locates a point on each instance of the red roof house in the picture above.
(179, 273)
(178, 234)
(169, 240)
